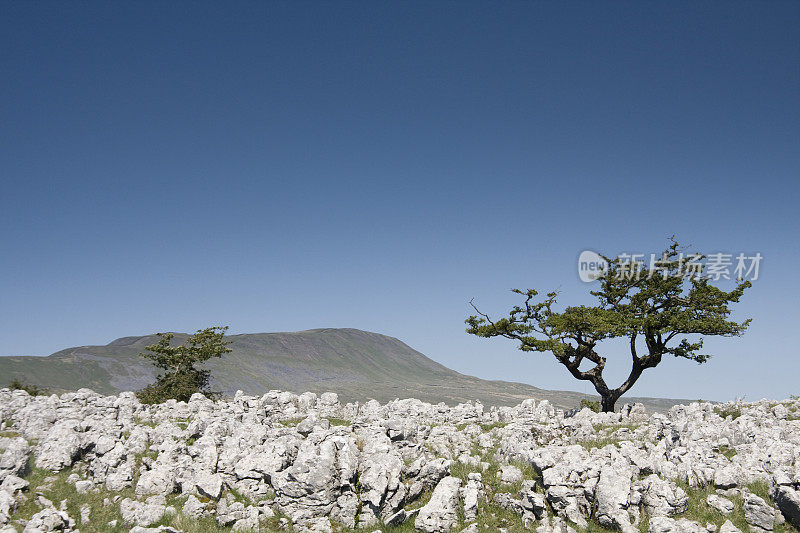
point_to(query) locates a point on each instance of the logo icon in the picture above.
(591, 266)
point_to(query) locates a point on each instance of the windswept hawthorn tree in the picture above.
(663, 312)
(181, 377)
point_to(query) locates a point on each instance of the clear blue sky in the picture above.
(285, 166)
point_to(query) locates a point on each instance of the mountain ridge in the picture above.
(356, 364)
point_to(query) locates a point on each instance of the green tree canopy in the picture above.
(666, 309)
(181, 377)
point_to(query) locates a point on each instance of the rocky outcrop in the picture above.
(49, 519)
(309, 461)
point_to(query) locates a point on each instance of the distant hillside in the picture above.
(356, 364)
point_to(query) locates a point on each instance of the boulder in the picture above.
(193, 508)
(611, 496)
(60, 447)
(86, 513)
(82, 486)
(728, 527)
(14, 456)
(13, 484)
(49, 519)
(440, 514)
(663, 498)
(143, 513)
(758, 513)
(726, 477)
(208, 484)
(509, 474)
(7, 506)
(470, 494)
(160, 480)
(723, 505)
(663, 524)
(788, 501)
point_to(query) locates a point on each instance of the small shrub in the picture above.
(732, 411)
(591, 404)
(33, 390)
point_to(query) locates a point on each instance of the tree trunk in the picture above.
(607, 402)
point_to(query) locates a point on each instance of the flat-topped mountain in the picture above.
(358, 365)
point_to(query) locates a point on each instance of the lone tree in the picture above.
(656, 306)
(182, 378)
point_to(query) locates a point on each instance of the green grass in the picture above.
(102, 514)
(142, 422)
(728, 452)
(615, 427)
(492, 517)
(489, 476)
(289, 422)
(599, 443)
(462, 470)
(484, 427)
(594, 527)
(9, 434)
(61, 490)
(605, 435)
(206, 524)
(701, 512)
(408, 527)
(760, 488)
(238, 496)
(644, 522)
